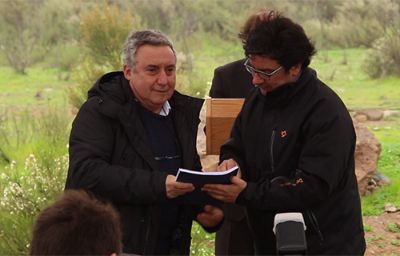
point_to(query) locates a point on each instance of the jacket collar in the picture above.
(284, 94)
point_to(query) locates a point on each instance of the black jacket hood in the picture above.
(112, 86)
(114, 93)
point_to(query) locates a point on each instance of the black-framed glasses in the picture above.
(262, 74)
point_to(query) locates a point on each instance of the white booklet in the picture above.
(198, 178)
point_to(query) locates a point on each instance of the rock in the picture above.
(367, 154)
(390, 208)
(371, 114)
(39, 95)
(389, 113)
(361, 117)
(381, 179)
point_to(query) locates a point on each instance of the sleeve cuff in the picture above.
(247, 195)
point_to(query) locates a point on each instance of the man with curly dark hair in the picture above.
(294, 141)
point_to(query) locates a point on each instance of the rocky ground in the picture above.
(383, 234)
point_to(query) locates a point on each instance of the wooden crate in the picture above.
(220, 115)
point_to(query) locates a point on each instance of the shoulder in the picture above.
(318, 92)
(232, 66)
(327, 108)
(187, 103)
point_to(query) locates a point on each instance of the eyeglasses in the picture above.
(262, 74)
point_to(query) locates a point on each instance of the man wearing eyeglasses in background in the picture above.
(294, 141)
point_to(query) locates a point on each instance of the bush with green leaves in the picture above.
(24, 191)
(103, 32)
(30, 181)
(383, 59)
(41, 132)
(361, 22)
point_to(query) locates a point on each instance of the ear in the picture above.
(127, 72)
(295, 70)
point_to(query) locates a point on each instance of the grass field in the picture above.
(40, 87)
(345, 75)
(340, 69)
(24, 97)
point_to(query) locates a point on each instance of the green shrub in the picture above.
(25, 190)
(368, 228)
(64, 57)
(41, 132)
(393, 227)
(104, 30)
(395, 242)
(191, 83)
(383, 59)
(360, 23)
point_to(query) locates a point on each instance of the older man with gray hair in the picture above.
(128, 141)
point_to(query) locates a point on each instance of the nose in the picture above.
(257, 79)
(162, 78)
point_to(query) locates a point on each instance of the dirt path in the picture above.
(383, 234)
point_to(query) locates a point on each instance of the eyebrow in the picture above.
(267, 70)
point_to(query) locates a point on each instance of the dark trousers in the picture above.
(234, 237)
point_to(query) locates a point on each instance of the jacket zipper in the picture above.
(146, 225)
(314, 223)
(147, 239)
(272, 151)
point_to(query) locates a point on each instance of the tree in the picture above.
(104, 29)
(31, 28)
(361, 22)
(20, 32)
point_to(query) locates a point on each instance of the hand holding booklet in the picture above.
(198, 179)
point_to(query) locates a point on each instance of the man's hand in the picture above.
(227, 164)
(226, 193)
(210, 217)
(175, 188)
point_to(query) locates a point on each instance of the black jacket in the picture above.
(231, 81)
(295, 147)
(110, 155)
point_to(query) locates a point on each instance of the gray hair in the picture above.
(140, 38)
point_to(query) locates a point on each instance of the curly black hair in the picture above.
(282, 40)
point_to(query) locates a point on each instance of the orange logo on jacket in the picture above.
(283, 134)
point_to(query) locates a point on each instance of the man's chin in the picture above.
(160, 100)
(263, 91)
